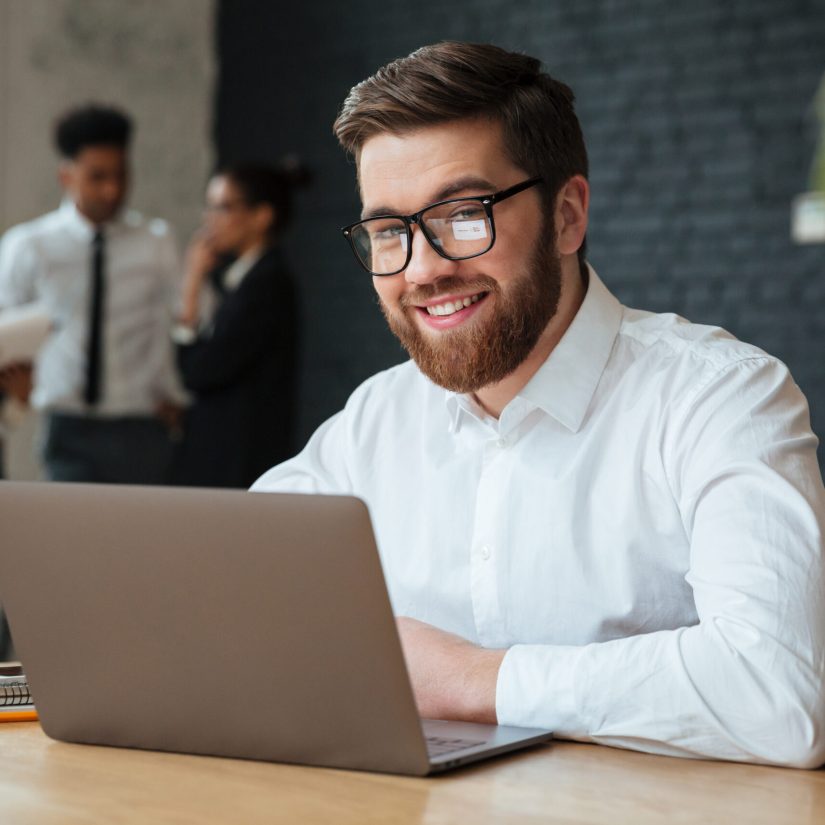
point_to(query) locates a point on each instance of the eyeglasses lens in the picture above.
(381, 244)
(457, 230)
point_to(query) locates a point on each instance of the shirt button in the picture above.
(502, 443)
(486, 552)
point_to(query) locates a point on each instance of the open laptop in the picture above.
(217, 622)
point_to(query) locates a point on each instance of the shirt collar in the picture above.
(459, 405)
(564, 385)
(82, 225)
(239, 269)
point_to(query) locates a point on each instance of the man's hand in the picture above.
(16, 380)
(451, 678)
(171, 415)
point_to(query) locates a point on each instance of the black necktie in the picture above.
(95, 351)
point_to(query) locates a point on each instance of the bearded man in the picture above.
(592, 519)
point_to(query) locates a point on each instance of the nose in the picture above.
(426, 265)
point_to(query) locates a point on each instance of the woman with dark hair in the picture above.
(236, 331)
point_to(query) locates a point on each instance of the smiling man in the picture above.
(592, 519)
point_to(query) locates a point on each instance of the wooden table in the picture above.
(44, 782)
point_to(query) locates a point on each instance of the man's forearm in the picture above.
(451, 678)
(702, 691)
(715, 690)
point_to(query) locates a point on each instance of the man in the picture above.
(105, 377)
(592, 519)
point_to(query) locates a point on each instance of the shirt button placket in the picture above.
(489, 516)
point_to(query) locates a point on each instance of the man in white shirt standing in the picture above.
(105, 377)
(591, 518)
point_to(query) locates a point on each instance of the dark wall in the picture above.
(697, 116)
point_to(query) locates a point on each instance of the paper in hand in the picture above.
(22, 332)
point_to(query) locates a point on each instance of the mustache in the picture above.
(444, 286)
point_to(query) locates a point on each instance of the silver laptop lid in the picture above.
(206, 621)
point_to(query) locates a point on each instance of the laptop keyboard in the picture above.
(438, 745)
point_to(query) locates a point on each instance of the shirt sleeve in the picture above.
(18, 269)
(320, 467)
(748, 681)
(168, 385)
(331, 457)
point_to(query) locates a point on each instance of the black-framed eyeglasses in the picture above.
(456, 229)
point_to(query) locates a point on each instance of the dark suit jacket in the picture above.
(242, 374)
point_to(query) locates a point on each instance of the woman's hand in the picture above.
(200, 259)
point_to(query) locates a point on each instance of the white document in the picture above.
(22, 332)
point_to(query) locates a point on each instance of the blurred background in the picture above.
(700, 118)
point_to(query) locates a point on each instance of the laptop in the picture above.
(217, 622)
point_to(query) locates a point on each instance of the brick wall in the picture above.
(697, 119)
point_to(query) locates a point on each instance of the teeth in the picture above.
(451, 307)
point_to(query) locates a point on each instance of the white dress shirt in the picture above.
(239, 269)
(642, 528)
(48, 260)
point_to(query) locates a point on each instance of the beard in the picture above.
(482, 352)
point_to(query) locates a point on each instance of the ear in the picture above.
(572, 203)
(64, 174)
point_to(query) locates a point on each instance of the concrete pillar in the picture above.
(154, 59)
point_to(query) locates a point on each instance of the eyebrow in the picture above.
(468, 182)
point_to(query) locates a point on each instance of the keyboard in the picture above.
(438, 745)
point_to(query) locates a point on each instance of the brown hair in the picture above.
(452, 80)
